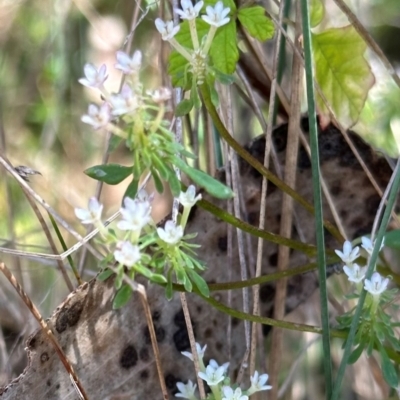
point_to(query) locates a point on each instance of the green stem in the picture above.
(319, 226)
(256, 164)
(180, 49)
(308, 249)
(210, 37)
(193, 33)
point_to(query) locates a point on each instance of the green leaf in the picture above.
(109, 173)
(105, 275)
(211, 185)
(388, 370)
(122, 297)
(158, 278)
(355, 355)
(224, 51)
(114, 142)
(317, 12)
(392, 239)
(184, 107)
(342, 73)
(199, 282)
(256, 22)
(157, 181)
(174, 183)
(132, 189)
(160, 165)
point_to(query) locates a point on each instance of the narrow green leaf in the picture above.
(211, 185)
(317, 12)
(119, 277)
(224, 51)
(105, 275)
(184, 107)
(388, 370)
(157, 181)
(160, 165)
(355, 355)
(199, 282)
(122, 297)
(342, 73)
(174, 183)
(109, 173)
(158, 278)
(132, 189)
(256, 22)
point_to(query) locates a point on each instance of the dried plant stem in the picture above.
(47, 331)
(141, 290)
(280, 292)
(192, 341)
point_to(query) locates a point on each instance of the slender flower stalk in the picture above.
(216, 17)
(191, 13)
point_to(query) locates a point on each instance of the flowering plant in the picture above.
(376, 328)
(217, 378)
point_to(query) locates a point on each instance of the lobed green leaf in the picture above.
(256, 22)
(342, 73)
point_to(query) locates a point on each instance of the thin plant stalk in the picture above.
(319, 225)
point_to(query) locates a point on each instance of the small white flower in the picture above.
(160, 95)
(215, 365)
(189, 198)
(258, 383)
(129, 65)
(200, 352)
(188, 11)
(97, 117)
(229, 394)
(171, 233)
(92, 214)
(368, 245)
(355, 273)
(216, 15)
(349, 254)
(94, 77)
(127, 254)
(124, 102)
(167, 29)
(186, 391)
(135, 215)
(376, 285)
(213, 376)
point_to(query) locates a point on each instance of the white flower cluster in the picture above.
(355, 273)
(127, 101)
(136, 215)
(216, 17)
(217, 379)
